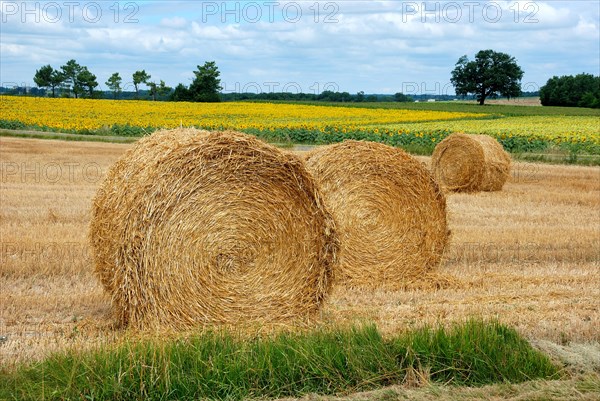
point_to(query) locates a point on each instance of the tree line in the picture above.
(325, 96)
(70, 78)
(582, 90)
(75, 80)
(490, 75)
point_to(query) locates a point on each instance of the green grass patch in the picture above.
(65, 136)
(473, 354)
(222, 366)
(558, 156)
(422, 143)
(463, 107)
(114, 130)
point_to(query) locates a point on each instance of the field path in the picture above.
(102, 138)
(65, 136)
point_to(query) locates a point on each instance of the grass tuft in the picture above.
(473, 353)
(222, 366)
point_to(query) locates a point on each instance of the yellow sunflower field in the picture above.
(299, 123)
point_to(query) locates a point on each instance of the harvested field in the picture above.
(528, 256)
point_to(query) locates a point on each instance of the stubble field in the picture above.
(528, 256)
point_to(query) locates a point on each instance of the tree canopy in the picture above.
(140, 77)
(71, 77)
(582, 90)
(114, 84)
(401, 97)
(48, 77)
(87, 81)
(70, 71)
(206, 84)
(158, 90)
(491, 74)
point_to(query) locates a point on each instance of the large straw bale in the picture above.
(193, 227)
(470, 163)
(389, 211)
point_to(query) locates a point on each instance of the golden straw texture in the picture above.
(470, 163)
(389, 211)
(194, 227)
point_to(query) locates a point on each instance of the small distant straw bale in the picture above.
(470, 163)
(193, 227)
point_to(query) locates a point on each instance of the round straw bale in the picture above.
(193, 227)
(390, 213)
(470, 163)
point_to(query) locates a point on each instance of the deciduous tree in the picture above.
(581, 90)
(491, 74)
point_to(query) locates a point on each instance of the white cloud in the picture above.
(587, 29)
(175, 22)
(374, 45)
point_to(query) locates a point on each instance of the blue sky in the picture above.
(309, 46)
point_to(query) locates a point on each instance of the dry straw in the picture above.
(194, 227)
(390, 214)
(470, 163)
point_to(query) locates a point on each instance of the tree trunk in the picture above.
(482, 95)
